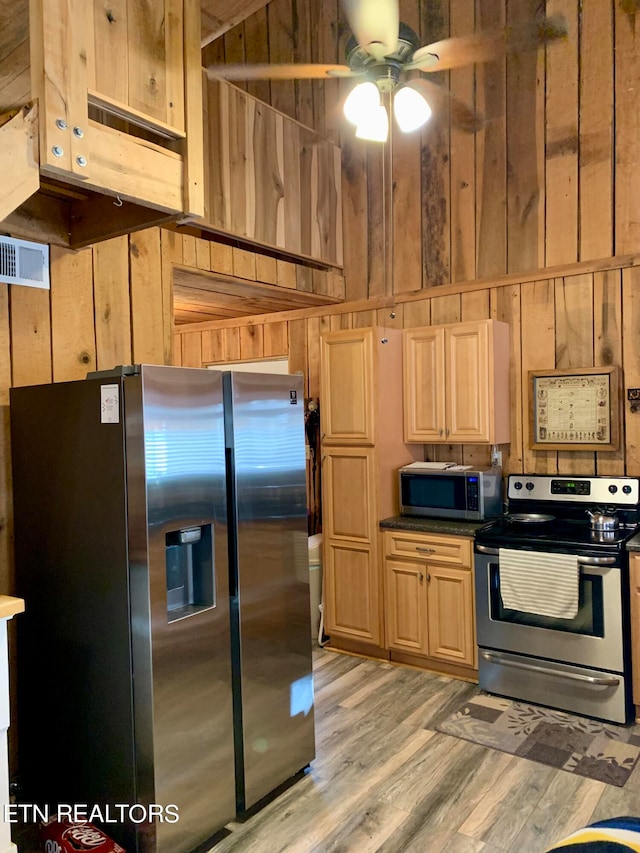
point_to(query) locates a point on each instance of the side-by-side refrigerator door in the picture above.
(180, 602)
(270, 611)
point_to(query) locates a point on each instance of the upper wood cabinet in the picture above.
(456, 383)
(348, 371)
(270, 179)
(119, 112)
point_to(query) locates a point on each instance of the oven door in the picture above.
(593, 638)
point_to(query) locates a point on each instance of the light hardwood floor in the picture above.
(384, 780)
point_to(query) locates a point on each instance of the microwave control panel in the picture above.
(473, 500)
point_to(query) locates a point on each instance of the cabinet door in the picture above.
(450, 615)
(468, 382)
(424, 385)
(352, 592)
(406, 606)
(634, 580)
(347, 383)
(348, 495)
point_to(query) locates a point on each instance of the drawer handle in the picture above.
(426, 550)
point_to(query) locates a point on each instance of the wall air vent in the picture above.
(23, 262)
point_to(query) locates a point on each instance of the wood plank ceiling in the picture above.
(201, 295)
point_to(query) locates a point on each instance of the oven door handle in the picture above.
(484, 549)
(605, 681)
(583, 561)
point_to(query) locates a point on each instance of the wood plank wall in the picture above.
(15, 63)
(544, 182)
(269, 178)
(562, 318)
(108, 305)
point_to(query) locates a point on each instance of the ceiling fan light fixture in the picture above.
(374, 126)
(410, 109)
(362, 100)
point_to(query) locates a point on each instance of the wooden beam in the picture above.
(218, 16)
(19, 159)
(102, 217)
(621, 262)
(40, 218)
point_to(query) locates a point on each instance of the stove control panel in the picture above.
(621, 491)
(572, 487)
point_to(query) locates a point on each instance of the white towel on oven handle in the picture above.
(540, 582)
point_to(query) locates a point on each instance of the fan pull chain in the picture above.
(387, 220)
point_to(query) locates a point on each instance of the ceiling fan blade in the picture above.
(375, 24)
(460, 115)
(265, 71)
(483, 47)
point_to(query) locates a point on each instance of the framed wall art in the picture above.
(575, 409)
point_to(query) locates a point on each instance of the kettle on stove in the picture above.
(604, 520)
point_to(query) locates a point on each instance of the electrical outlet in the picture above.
(496, 458)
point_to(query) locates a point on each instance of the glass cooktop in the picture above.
(561, 534)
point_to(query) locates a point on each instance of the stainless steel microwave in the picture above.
(456, 492)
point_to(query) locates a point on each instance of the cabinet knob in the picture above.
(428, 578)
(420, 576)
(440, 432)
(425, 550)
(324, 456)
(446, 432)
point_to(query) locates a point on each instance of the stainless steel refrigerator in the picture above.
(124, 655)
(268, 549)
(161, 548)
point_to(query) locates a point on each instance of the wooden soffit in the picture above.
(200, 296)
(218, 16)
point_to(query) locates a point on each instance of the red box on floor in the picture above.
(67, 836)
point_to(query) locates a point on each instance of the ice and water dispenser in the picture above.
(190, 571)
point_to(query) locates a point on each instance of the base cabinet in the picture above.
(406, 607)
(429, 597)
(450, 615)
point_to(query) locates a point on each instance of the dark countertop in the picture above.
(634, 543)
(435, 525)
(456, 528)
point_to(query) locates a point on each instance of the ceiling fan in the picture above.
(385, 54)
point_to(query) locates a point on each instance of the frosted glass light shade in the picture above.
(374, 126)
(410, 109)
(361, 100)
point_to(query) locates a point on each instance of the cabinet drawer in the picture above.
(450, 550)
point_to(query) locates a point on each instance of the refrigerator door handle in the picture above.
(233, 523)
